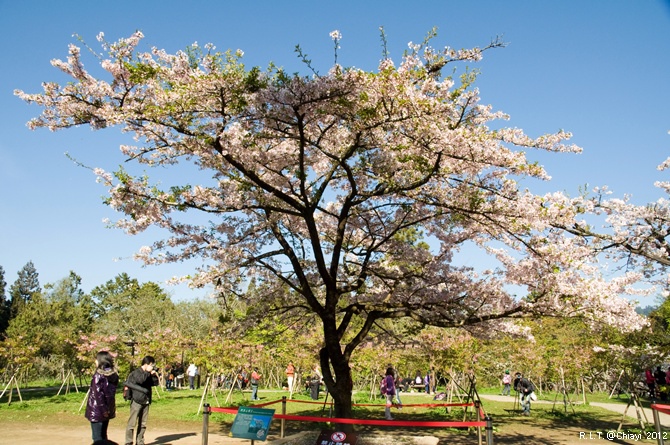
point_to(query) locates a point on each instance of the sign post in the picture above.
(252, 423)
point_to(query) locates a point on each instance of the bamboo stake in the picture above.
(616, 384)
(83, 402)
(204, 395)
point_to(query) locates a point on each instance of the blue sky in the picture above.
(597, 68)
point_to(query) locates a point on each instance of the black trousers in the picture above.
(314, 390)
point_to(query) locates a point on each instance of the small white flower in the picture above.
(335, 35)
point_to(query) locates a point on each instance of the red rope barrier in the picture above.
(261, 405)
(419, 405)
(417, 423)
(662, 408)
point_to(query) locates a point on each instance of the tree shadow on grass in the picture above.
(556, 426)
(544, 427)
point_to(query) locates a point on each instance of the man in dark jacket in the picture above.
(526, 389)
(140, 382)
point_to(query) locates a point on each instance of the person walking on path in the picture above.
(101, 403)
(390, 392)
(140, 382)
(506, 381)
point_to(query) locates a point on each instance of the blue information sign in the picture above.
(252, 423)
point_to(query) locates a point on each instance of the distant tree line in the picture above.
(60, 326)
(52, 329)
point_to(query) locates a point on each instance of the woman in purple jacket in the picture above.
(389, 381)
(101, 405)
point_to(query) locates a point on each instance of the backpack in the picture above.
(127, 393)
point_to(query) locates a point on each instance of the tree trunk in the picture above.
(339, 384)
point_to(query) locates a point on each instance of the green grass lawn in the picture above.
(181, 407)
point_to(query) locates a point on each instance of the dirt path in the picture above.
(528, 434)
(516, 434)
(18, 434)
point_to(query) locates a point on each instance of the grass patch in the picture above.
(179, 409)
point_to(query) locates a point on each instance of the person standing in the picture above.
(315, 382)
(506, 381)
(389, 383)
(140, 382)
(101, 403)
(290, 375)
(191, 372)
(255, 380)
(651, 383)
(179, 376)
(169, 377)
(398, 385)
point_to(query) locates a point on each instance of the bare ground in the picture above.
(54, 434)
(520, 431)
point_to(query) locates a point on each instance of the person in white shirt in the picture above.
(192, 371)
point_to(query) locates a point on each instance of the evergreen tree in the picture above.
(23, 288)
(125, 307)
(4, 303)
(53, 320)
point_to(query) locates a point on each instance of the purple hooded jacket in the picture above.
(101, 405)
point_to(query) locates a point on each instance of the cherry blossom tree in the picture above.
(636, 236)
(345, 195)
(631, 237)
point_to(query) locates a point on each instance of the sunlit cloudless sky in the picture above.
(597, 68)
